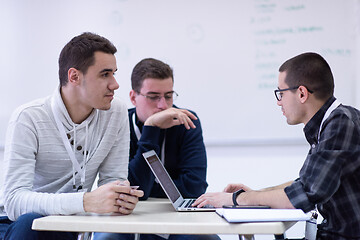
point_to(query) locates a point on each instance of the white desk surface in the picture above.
(157, 216)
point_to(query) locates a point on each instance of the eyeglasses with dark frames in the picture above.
(279, 92)
(170, 96)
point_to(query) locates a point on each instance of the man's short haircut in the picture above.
(312, 71)
(79, 53)
(149, 68)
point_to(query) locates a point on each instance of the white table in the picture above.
(157, 217)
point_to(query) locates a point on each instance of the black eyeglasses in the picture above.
(170, 96)
(279, 92)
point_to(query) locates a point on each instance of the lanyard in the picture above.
(138, 136)
(333, 106)
(71, 152)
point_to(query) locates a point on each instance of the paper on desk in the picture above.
(261, 215)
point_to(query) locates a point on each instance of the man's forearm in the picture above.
(281, 186)
(276, 198)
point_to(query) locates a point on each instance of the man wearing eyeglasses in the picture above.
(330, 176)
(175, 134)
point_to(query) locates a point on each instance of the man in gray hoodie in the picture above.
(56, 146)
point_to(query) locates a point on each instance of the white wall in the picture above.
(225, 54)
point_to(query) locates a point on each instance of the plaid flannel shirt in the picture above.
(330, 176)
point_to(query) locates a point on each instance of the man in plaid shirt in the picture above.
(330, 176)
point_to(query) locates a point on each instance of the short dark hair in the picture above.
(312, 71)
(149, 68)
(79, 53)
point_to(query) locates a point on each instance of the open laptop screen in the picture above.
(163, 177)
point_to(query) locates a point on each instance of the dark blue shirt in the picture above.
(330, 176)
(185, 158)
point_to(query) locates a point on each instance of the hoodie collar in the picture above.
(64, 115)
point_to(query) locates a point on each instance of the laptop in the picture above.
(179, 203)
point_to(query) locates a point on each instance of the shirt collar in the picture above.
(138, 122)
(64, 116)
(311, 129)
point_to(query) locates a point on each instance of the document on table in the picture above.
(261, 215)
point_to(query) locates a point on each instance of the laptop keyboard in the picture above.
(191, 201)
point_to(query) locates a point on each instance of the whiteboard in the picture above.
(225, 54)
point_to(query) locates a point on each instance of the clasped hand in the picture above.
(117, 197)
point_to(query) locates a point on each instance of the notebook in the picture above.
(180, 204)
(261, 215)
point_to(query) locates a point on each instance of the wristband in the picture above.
(235, 195)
